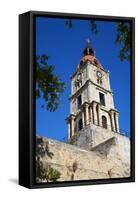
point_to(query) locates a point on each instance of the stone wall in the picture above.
(108, 160)
(91, 136)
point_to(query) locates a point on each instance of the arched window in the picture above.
(104, 122)
(102, 98)
(97, 113)
(80, 124)
(79, 99)
(115, 121)
(99, 81)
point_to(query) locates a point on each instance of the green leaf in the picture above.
(48, 85)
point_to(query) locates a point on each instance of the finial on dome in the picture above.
(88, 49)
(88, 42)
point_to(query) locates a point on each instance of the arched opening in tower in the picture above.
(104, 122)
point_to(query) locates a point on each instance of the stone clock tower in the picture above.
(93, 118)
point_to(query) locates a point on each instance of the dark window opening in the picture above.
(102, 99)
(97, 113)
(115, 123)
(95, 62)
(75, 126)
(101, 82)
(104, 122)
(80, 124)
(79, 101)
(81, 62)
(79, 84)
(88, 51)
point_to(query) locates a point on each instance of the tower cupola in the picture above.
(89, 55)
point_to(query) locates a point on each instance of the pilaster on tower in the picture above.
(91, 99)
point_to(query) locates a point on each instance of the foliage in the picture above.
(123, 38)
(42, 149)
(69, 23)
(93, 26)
(72, 169)
(74, 166)
(46, 172)
(48, 85)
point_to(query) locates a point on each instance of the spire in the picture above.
(88, 42)
(88, 49)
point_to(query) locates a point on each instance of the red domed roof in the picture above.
(92, 60)
(89, 55)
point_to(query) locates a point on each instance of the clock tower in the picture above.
(93, 118)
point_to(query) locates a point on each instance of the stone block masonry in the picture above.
(110, 159)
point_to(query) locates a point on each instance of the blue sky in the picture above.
(64, 47)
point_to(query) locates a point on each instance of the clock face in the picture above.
(99, 74)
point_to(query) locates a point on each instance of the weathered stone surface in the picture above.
(110, 159)
(92, 136)
(98, 98)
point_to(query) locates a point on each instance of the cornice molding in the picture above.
(85, 84)
(84, 65)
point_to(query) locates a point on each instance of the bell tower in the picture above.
(93, 118)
